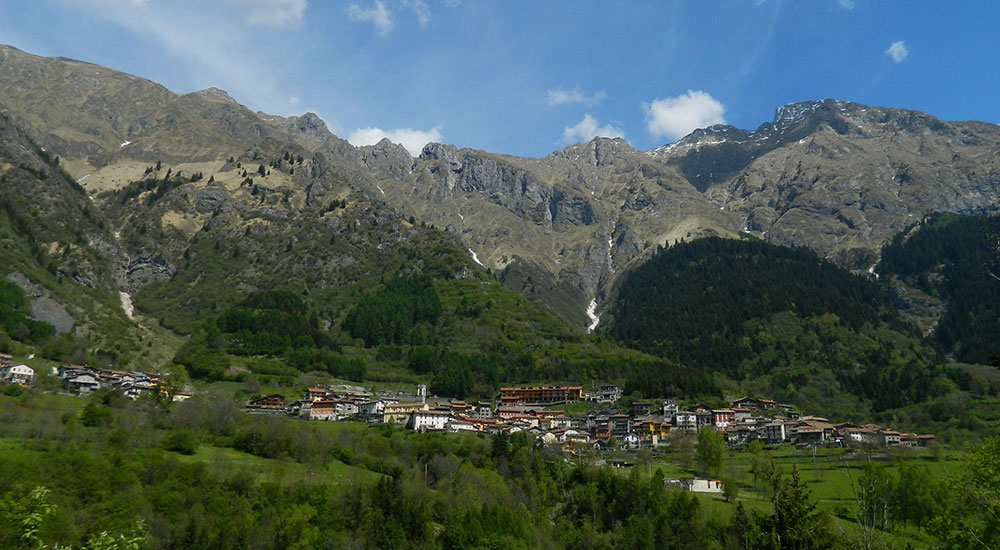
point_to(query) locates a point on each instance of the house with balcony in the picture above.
(17, 374)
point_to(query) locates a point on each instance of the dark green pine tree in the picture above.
(794, 524)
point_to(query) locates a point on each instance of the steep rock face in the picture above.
(580, 214)
(145, 268)
(501, 182)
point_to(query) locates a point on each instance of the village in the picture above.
(533, 410)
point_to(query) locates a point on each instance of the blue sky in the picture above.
(527, 78)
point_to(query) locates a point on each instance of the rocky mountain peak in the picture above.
(387, 146)
(216, 94)
(385, 156)
(600, 151)
(309, 124)
(604, 151)
(712, 135)
(438, 151)
(793, 113)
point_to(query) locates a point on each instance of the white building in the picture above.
(741, 415)
(696, 485)
(607, 394)
(574, 435)
(17, 374)
(774, 432)
(889, 437)
(670, 407)
(462, 426)
(422, 421)
(686, 421)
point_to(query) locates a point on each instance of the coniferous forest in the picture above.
(954, 258)
(754, 310)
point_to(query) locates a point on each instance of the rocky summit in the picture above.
(838, 177)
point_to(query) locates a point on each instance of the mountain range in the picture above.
(838, 177)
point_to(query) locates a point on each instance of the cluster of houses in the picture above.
(530, 410)
(764, 420)
(83, 380)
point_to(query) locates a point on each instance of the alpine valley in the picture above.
(225, 329)
(151, 229)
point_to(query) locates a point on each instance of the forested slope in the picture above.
(781, 319)
(954, 258)
(465, 337)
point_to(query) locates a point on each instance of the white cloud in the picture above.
(560, 96)
(413, 140)
(676, 117)
(271, 13)
(588, 129)
(846, 4)
(898, 51)
(294, 101)
(378, 16)
(420, 9)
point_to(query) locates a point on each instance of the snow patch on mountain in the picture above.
(592, 315)
(475, 258)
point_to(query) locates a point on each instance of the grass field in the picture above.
(225, 459)
(831, 477)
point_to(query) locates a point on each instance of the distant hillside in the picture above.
(779, 319)
(838, 177)
(955, 260)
